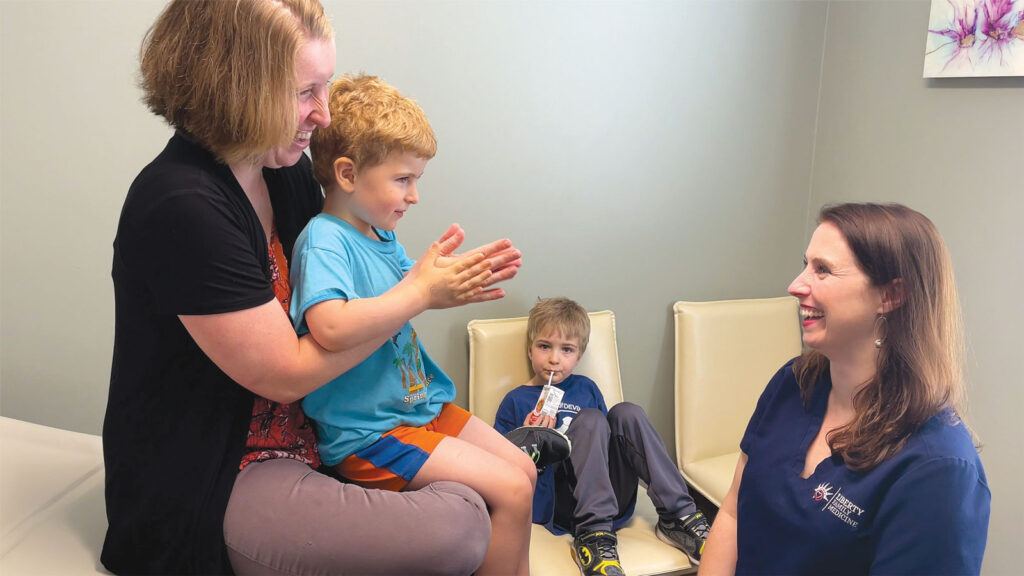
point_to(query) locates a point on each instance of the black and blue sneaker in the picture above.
(545, 446)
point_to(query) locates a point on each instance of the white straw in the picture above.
(551, 374)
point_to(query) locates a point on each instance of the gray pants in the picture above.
(598, 484)
(285, 518)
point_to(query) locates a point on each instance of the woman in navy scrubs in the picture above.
(856, 459)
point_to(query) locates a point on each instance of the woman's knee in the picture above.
(460, 497)
(466, 532)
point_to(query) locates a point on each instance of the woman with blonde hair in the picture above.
(857, 459)
(211, 466)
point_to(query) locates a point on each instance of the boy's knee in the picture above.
(588, 421)
(625, 412)
(527, 465)
(515, 493)
(531, 473)
(524, 484)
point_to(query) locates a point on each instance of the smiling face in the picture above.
(553, 354)
(314, 66)
(378, 196)
(838, 304)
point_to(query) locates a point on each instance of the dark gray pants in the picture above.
(285, 518)
(598, 484)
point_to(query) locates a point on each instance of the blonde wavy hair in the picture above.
(370, 119)
(223, 71)
(562, 314)
(919, 370)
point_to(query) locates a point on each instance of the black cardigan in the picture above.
(188, 242)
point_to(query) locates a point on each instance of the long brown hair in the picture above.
(919, 371)
(224, 71)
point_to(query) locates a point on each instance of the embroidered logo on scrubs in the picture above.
(839, 505)
(823, 491)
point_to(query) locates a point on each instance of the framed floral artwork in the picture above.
(975, 38)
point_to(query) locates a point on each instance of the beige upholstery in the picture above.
(726, 352)
(497, 364)
(52, 518)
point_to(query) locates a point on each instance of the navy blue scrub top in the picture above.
(923, 511)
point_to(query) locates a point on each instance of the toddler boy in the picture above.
(593, 492)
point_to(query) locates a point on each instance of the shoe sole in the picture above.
(669, 541)
(563, 437)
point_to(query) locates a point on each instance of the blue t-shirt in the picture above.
(580, 392)
(923, 511)
(399, 384)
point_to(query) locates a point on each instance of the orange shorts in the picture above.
(391, 462)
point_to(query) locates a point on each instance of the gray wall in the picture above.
(74, 134)
(634, 157)
(638, 152)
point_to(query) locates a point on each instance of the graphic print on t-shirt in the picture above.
(409, 361)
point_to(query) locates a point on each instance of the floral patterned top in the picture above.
(280, 430)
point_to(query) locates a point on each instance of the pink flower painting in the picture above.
(975, 38)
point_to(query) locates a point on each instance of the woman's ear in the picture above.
(892, 295)
(345, 174)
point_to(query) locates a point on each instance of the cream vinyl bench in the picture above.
(52, 514)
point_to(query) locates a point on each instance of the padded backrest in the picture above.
(726, 352)
(498, 362)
